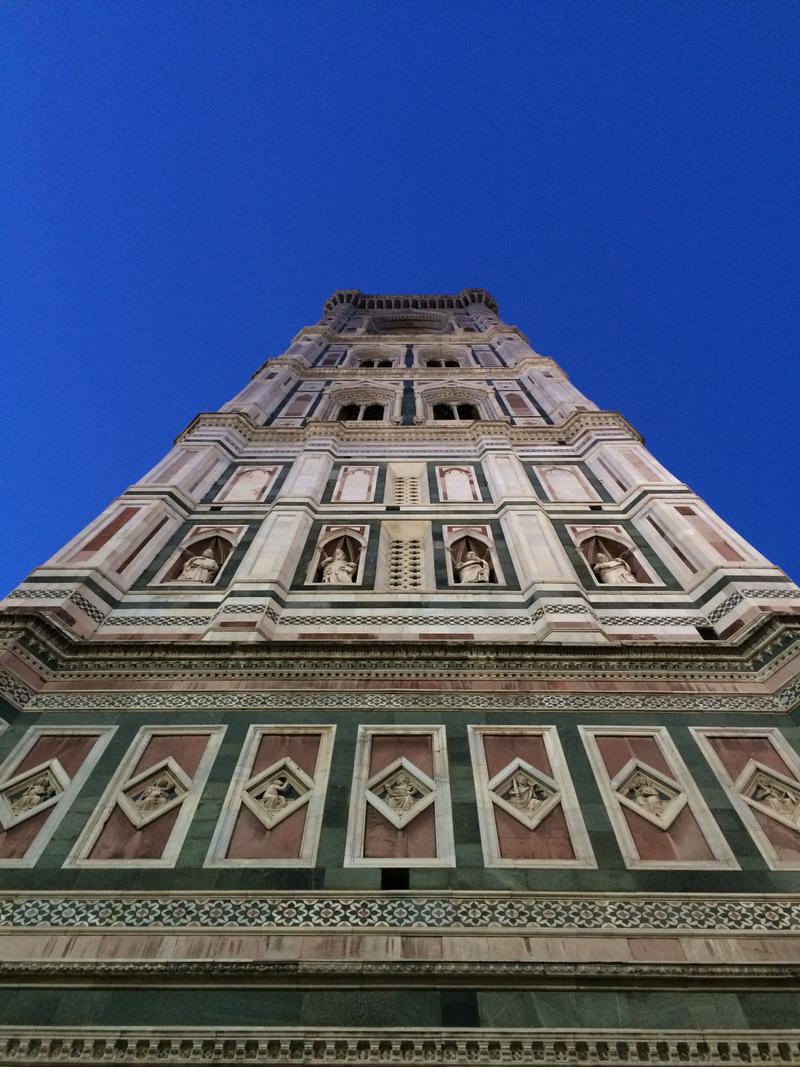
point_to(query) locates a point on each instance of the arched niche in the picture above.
(612, 562)
(339, 557)
(472, 560)
(200, 561)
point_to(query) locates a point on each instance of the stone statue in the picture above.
(401, 794)
(612, 571)
(154, 795)
(336, 570)
(274, 797)
(202, 568)
(779, 800)
(34, 794)
(472, 569)
(524, 794)
(645, 795)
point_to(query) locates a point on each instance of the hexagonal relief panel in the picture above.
(154, 792)
(31, 792)
(274, 793)
(651, 794)
(528, 795)
(400, 792)
(770, 792)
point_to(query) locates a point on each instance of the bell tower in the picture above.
(409, 710)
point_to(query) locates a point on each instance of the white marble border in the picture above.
(584, 856)
(724, 858)
(79, 855)
(220, 842)
(356, 823)
(701, 734)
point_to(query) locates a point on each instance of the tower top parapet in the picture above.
(410, 301)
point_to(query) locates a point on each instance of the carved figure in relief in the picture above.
(34, 794)
(400, 794)
(777, 798)
(274, 796)
(336, 569)
(613, 571)
(155, 794)
(472, 569)
(525, 794)
(202, 568)
(645, 795)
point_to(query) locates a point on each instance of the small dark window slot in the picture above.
(216, 507)
(708, 633)
(595, 507)
(392, 507)
(394, 878)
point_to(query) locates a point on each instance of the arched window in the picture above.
(361, 413)
(443, 411)
(446, 410)
(467, 411)
(451, 363)
(433, 363)
(367, 362)
(384, 363)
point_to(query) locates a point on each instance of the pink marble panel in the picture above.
(120, 840)
(416, 841)
(734, 753)
(501, 749)
(387, 747)
(617, 751)
(186, 749)
(549, 841)
(683, 841)
(70, 751)
(14, 843)
(302, 748)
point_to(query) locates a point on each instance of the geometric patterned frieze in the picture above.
(31, 792)
(521, 911)
(655, 796)
(397, 699)
(279, 1046)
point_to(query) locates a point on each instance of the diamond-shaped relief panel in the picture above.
(771, 792)
(274, 793)
(154, 792)
(400, 792)
(31, 792)
(524, 792)
(651, 794)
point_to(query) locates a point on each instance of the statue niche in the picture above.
(613, 563)
(472, 562)
(200, 561)
(338, 561)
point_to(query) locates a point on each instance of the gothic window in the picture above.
(467, 412)
(361, 413)
(367, 362)
(451, 363)
(384, 363)
(433, 363)
(445, 411)
(442, 412)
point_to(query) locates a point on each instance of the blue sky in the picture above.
(184, 183)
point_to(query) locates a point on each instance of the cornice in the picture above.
(389, 433)
(462, 337)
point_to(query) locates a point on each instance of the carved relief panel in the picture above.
(400, 814)
(528, 810)
(658, 814)
(143, 817)
(760, 772)
(273, 811)
(39, 781)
